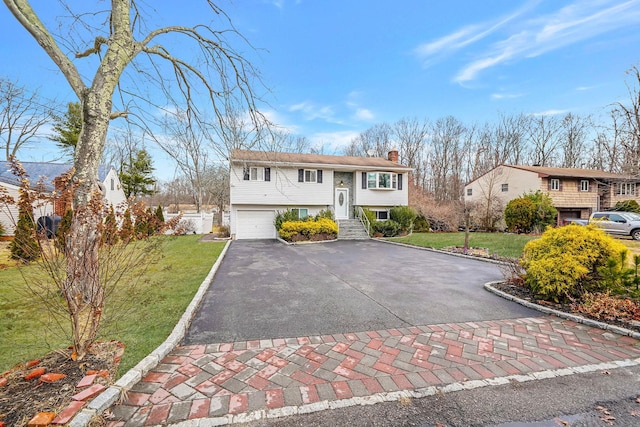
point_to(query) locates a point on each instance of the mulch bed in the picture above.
(21, 399)
(525, 293)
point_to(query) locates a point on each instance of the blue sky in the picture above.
(336, 67)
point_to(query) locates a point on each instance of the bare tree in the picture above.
(628, 122)
(120, 47)
(573, 141)
(373, 142)
(22, 115)
(411, 137)
(544, 136)
(189, 148)
(445, 158)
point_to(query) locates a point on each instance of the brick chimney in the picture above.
(393, 155)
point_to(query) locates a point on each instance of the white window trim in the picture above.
(504, 188)
(299, 211)
(626, 189)
(378, 213)
(259, 173)
(469, 191)
(393, 181)
(309, 172)
(584, 185)
(555, 187)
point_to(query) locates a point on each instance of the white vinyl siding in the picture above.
(283, 188)
(374, 197)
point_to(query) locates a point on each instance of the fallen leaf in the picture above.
(3, 381)
(52, 377)
(74, 355)
(440, 425)
(32, 363)
(606, 373)
(634, 412)
(637, 399)
(608, 419)
(34, 373)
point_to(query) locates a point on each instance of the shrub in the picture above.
(520, 215)
(403, 215)
(24, 246)
(2, 231)
(388, 228)
(282, 217)
(325, 213)
(565, 261)
(627, 206)
(546, 213)
(371, 216)
(308, 228)
(421, 224)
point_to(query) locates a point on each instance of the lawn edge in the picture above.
(114, 393)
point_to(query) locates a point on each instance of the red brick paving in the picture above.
(269, 374)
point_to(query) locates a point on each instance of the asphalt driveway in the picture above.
(264, 289)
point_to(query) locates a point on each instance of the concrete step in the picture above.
(351, 229)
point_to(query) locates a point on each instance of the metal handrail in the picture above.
(363, 219)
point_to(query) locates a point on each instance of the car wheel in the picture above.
(635, 234)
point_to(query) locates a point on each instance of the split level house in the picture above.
(575, 193)
(264, 183)
(48, 175)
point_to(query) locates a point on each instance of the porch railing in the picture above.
(359, 212)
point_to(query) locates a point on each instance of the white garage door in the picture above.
(255, 225)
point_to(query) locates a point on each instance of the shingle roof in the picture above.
(314, 159)
(43, 170)
(570, 172)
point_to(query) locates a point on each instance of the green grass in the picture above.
(156, 304)
(502, 244)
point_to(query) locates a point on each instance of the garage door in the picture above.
(255, 225)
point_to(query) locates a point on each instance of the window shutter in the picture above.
(267, 174)
(300, 175)
(245, 173)
(399, 181)
(364, 180)
(549, 184)
(559, 185)
(319, 177)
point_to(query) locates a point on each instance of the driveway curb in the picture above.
(564, 315)
(112, 394)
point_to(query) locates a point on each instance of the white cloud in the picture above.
(528, 36)
(506, 95)
(333, 141)
(311, 111)
(550, 113)
(364, 114)
(470, 34)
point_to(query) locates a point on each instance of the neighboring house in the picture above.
(47, 174)
(263, 183)
(576, 193)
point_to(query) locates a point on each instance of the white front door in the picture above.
(341, 203)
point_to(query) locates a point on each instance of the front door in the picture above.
(341, 203)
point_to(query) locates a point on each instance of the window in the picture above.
(113, 184)
(303, 213)
(255, 173)
(505, 188)
(310, 175)
(469, 191)
(382, 180)
(626, 188)
(554, 184)
(584, 185)
(382, 215)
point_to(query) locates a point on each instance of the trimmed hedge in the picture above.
(292, 229)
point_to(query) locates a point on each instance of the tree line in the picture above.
(447, 153)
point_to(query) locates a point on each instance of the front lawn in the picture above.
(502, 244)
(159, 300)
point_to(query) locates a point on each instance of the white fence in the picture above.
(196, 223)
